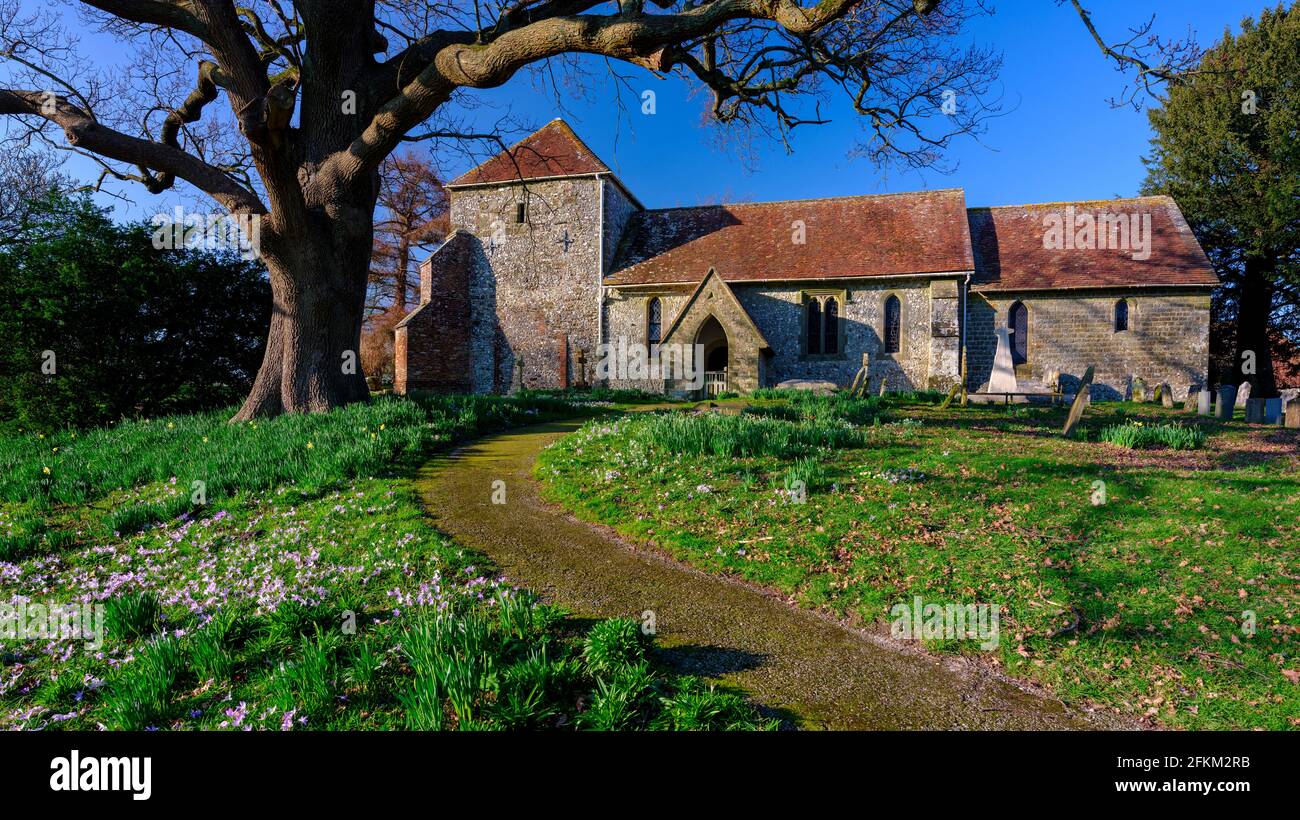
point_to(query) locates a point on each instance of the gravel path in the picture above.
(800, 666)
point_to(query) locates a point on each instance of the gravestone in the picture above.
(1139, 389)
(863, 378)
(1204, 402)
(1272, 411)
(517, 377)
(1165, 394)
(822, 388)
(1292, 420)
(582, 369)
(1254, 411)
(1081, 400)
(1227, 401)
(952, 394)
(1003, 379)
(1189, 406)
(1243, 394)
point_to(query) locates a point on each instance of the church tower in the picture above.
(520, 277)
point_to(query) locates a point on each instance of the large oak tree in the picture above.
(285, 110)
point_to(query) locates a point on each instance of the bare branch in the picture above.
(82, 131)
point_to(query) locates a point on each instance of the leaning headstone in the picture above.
(1003, 379)
(1272, 411)
(1205, 402)
(863, 377)
(1243, 394)
(1139, 389)
(1254, 411)
(952, 394)
(517, 378)
(1165, 394)
(1227, 401)
(1292, 420)
(1081, 400)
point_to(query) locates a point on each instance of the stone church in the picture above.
(553, 260)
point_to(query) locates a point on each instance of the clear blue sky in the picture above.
(1058, 139)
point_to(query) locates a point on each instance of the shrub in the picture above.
(1135, 434)
(176, 331)
(621, 700)
(697, 707)
(615, 644)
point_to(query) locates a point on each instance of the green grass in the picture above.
(739, 435)
(1179, 566)
(1136, 434)
(303, 588)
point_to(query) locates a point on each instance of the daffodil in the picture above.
(45, 470)
(309, 445)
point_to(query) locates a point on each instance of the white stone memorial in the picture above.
(1003, 379)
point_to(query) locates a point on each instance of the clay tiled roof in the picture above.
(1010, 253)
(892, 234)
(552, 151)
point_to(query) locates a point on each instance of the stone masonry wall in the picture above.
(534, 287)
(1167, 339)
(618, 209)
(778, 312)
(923, 361)
(625, 318)
(431, 344)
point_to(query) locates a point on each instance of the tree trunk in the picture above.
(313, 360)
(403, 260)
(1254, 308)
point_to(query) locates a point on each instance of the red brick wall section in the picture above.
(432, 348)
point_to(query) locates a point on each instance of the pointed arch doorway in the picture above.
(712, 338)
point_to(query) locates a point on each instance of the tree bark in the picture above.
(313, 349)
(1254, 307)
(403, 260)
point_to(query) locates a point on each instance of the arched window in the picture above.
(1018, 321)
(654, 322)
(1121, 315)
(893, 324)
(814, 327)
(831, 323)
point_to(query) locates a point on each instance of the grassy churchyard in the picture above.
(282, 575)
(1147, 564)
